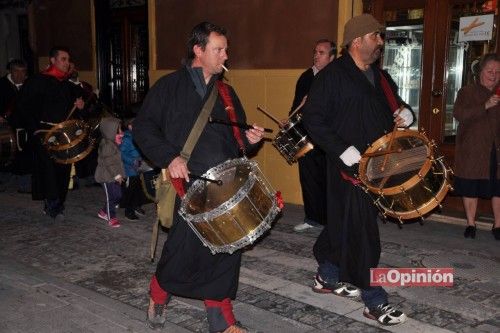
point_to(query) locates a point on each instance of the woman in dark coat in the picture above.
(477, 149)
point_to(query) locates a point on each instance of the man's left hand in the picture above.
(404, 118)
(254, 134)
(79, 103)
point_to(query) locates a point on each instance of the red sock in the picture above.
(158, 295)
(220, 314)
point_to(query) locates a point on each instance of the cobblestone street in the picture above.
(276, 276)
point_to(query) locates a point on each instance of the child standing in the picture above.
(109, 171)
(133, 196)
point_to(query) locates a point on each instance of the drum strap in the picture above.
(228, 103)
(389, 94)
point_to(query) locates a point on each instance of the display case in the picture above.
(403, 60)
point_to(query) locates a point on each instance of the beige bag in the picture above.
(165, 199)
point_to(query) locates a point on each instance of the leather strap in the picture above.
(389, 94)
(228, 103)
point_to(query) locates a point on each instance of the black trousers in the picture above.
(312, 173)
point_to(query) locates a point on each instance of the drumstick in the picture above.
(298, 107)
(215, 181)
(269, 115)
(382, 152)
(393, 134)
(71, 112)
(233, 123)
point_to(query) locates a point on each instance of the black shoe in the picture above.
(139, 211)
(470, 232)
(496, 233)
(131, 216)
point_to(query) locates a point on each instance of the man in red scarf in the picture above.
(47, 99)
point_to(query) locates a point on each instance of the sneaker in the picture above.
(131, 216)
(157, 316)
(139, 211)
(303, 227)
(385, 314)
(114, 223)
(102, 215)
(340, 288)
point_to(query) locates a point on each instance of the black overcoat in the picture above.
(344, 109)
(186, 267)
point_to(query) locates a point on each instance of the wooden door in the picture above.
(444, 63)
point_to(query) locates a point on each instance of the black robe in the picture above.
(44, 98)
(312, 166)
(344, 109)
(187, 268)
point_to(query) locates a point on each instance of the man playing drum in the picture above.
(347, 109)
(187, 268)
(45, 100)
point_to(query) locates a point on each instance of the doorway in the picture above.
(430, 64)
(122, 47)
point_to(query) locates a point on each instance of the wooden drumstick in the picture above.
(391, 140)
(269, 115)
(71, 112)
(298, 107)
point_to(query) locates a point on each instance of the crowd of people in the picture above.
(345, 104)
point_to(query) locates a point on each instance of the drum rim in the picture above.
(79, 156)
(426, 167)
(63, 125)
(429, 205)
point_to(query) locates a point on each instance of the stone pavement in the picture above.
(82, 276)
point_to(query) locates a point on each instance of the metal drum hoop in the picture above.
(426, 167)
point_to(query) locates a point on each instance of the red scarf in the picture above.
(56, 72)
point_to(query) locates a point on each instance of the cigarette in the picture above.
(224, 67)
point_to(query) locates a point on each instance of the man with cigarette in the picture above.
(351, 104)
(187, 268)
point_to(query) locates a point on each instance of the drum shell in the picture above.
(292, 141)
(8, 145)
(69, 142)
(245, 206)
(417, 195)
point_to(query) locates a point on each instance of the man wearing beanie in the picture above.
(351, 104)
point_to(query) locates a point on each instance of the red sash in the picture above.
(228, 103)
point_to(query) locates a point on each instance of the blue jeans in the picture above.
(372, 296)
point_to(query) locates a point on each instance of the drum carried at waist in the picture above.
(292, 141)
(229, 216)
(402, 172)
(8, 145)
(69, 141)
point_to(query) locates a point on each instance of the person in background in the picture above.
(45, 100)
(132, 197)
(351, 104)
(21, 165)
(186, 267)
(110, 172)
(312, 166)
(477, 146)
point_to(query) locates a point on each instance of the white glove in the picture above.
(350, 156)
(406, 115)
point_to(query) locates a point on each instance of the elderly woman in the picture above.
(477, 150)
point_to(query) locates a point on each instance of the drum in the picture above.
(408, 182)
(233, 215)
(69, 142)
(8, 145)
(292, 141)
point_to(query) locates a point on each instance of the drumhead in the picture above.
(410, 156)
